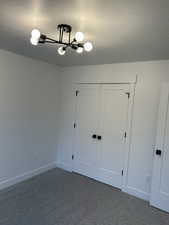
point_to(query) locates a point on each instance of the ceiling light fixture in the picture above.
(64, 40)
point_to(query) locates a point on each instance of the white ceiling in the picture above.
(121, 30)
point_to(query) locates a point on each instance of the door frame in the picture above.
(127, 145)
(160, 136)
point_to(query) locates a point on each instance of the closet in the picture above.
(101, 124)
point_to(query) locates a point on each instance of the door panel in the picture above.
(85, 152)
(113, 126)
(160, 182)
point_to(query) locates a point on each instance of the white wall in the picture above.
(28, 117)
(32, 92)
(150, 77)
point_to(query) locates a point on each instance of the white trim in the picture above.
(127, 145)
(64, 166)
(128, 141)
(136, 192)
(129, 190)
(27, 175)
(74, 88)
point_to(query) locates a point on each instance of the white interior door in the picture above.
(85, 148)
(160, 182)
(101, 111)
(113, 114)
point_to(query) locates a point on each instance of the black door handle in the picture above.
(94, 136)
(99, 137)
(158, 152)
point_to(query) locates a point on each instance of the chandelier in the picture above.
(64, 40)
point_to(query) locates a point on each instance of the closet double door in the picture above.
(100, 131)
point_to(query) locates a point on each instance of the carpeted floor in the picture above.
(61, 198)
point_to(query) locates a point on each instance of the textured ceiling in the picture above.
(121, 30)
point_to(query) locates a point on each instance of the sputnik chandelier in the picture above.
(64, 40)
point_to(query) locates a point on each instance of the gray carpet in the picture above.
(61, 198)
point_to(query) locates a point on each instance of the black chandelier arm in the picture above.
(69, 37)
(61, 30)
(51, 40)
(72, 44)
(75, 45)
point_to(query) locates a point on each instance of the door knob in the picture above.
(94, 136)
(158, 152)
(99, 137)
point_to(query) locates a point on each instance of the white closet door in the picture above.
(85, 146)
(160, 182)
(114, 110)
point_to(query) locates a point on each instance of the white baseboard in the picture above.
(64, 166)
(129, 190)
(25, 176)
(136, 192)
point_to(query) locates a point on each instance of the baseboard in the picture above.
(136, 192)
(64, 166)
(129, 190)
(25, 176)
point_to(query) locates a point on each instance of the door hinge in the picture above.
(77, 92)
(72, 157)
(128, 94)
(74, 125)
(122, 172)
(125, 134)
